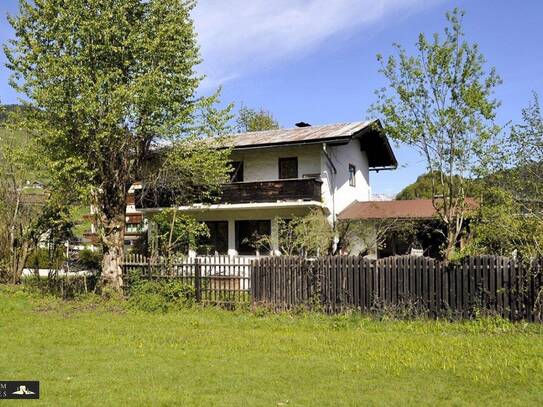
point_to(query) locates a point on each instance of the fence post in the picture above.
(197, 279)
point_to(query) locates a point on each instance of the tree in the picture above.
(107, 81)
(18, 207)
(177, 233)
(424, 188)
(309, 235)
(441, 102)
(255, 120)
(511, 216)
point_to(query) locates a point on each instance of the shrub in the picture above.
(41, 258)
(90, 260)
(158, 296)
(65, 287)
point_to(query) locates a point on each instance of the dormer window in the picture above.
(352, 175)
(288, 167)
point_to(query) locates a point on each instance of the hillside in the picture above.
(422, 188)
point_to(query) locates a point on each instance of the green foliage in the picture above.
(19, 208)
(314, 234)
(255, 120)
(158, 296)
(505, 227)
(105, 83)
(42, 258)
(422, 188)
(176, 233)
(441, 102)
(511, 217)
(81, 224)
(89, 259)
(105, 79)
(308, 235)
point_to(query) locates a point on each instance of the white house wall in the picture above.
(337, 193)
(263, 164)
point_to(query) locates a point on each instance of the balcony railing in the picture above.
(285, 190)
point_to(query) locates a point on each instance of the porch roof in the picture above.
(400, 209)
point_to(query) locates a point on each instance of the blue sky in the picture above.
(314, 60)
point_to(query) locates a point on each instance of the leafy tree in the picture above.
(423, 188)
(511, 217)
(107, 81)
(18, 207)
(440, 101)
(255, 120)
(504, 227)
(309, 235)
(176, 233)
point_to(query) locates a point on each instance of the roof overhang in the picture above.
(377, 147)
(415, 209)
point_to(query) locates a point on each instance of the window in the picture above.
(247, 231)
(133, 228)
(217, 242)
(237, 171)
(352, 175)
(288, 168)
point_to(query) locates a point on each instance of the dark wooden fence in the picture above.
(216, 279)
(487, 284)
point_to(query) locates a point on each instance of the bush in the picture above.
(41, 258)
(90, 260)
(65, 287)
(158, 296)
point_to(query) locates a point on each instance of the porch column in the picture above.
(232, 237)
(275, 238)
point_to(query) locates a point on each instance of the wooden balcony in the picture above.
(285, 190)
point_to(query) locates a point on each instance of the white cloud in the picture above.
(239, 36)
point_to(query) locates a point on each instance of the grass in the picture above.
(91, 352)
(82, 225)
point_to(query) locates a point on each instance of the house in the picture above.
(281, 174)
(401, 226)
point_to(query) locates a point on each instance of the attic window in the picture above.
(352, 175)
(288, 167)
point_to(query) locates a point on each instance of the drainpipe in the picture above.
(333, 179)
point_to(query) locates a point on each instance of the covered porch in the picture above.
(232, 227)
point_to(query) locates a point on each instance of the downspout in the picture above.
(333, 178)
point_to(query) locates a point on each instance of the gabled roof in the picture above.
(298, 134)
(401, 209)
(370, 133)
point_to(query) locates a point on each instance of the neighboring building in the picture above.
(389, 216)
(281, 174)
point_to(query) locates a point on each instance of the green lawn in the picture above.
(91, 353)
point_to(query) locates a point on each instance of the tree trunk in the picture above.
(452, 237)
(113, 251)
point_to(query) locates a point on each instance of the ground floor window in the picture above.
(217, 242)
(248, 232)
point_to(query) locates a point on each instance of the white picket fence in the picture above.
(216, 279)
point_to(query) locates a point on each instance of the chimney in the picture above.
(303, 124)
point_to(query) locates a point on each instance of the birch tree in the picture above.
(440, 101)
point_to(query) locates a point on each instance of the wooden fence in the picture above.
(216, 279)
(494, 285)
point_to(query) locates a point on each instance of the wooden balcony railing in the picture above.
(298, 189)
